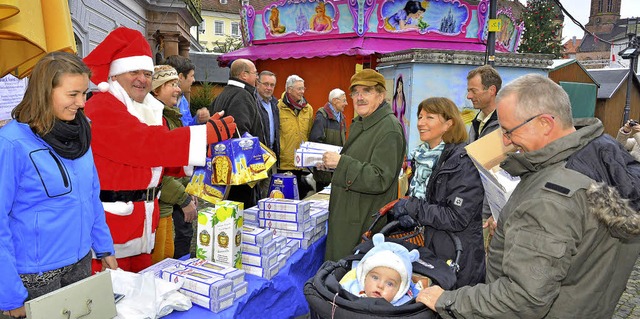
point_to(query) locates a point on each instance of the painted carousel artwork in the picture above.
(441, 17)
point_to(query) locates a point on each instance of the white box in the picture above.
(294, 226)
(205, 233)
(296, 217)
(267, 273)
(240, 290)
(200, 282)
(486, 153)
(318, 216)
(233, 274)
(256, 235)
(265, 249)
(305, 234)
(283, 205)
(293, 245)
(228, 233)
(215, 305)
(263, 261)
(166, 263)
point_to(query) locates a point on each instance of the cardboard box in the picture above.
(233, 274)
(205, 233)
(284, 205)
(487, 153)
(213, 304)
(240, 290)
(200, 282)
(227, 228)
(256, 235)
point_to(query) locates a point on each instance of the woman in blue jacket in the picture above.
(446, 192)
(51, 216)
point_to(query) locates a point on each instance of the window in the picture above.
(610, 6)
(223, 1)
(202, 27)
(235, 29)
(218, 27)
(600, 5)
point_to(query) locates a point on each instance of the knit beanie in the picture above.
(162, 74)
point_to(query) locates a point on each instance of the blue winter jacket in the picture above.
(50, 210)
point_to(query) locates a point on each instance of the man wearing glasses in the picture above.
(483, 83)
(568, 237)
(270, 115)
(238, 99)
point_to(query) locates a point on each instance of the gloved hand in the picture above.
(399, 209)
(407, 222)
(220, 129)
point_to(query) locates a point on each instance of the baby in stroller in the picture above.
(384, 272)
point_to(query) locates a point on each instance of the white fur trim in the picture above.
(118, 208)
(188, 170)
(103, 87)
(131, 63)
(198, 145)
(156, 174)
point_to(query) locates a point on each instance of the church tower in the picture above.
(603, 16)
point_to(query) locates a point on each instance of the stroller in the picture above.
(327, 298)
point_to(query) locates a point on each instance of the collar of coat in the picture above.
(241, 84)
(611, 197)
(381, 112)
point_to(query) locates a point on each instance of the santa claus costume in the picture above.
(131, 147)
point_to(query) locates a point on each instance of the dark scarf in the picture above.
(294, 105)
(71, 139)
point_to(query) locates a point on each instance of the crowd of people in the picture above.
(100, 183)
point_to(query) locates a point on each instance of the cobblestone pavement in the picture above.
(629, 304)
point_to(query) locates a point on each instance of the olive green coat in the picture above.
(172, 187)
(365, 179)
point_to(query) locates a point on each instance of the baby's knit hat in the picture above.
(388, 254)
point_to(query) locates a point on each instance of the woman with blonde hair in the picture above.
(446, 192)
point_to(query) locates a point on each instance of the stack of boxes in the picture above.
(208, 284)
(260, 252)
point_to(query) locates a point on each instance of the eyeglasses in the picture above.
(508, 133)
(364, 93)
(269, 85)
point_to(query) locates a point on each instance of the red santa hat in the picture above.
(123, 50)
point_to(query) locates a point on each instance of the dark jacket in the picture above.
(567, 238)
(365, 179)
(237, 99)
(491, 125)
(172, 187)
(276, 125)
(326, 129)
(454, 204)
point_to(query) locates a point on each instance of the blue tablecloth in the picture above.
(281, 297)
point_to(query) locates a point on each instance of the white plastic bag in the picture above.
(146, 296)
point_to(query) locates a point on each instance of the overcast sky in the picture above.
(579, 9)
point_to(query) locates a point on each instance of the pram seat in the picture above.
(327, 298)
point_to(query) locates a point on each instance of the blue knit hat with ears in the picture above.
(391, 255)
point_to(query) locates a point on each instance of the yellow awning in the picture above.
(29, 29)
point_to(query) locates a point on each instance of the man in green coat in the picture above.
(367, 169)
(568, 237)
